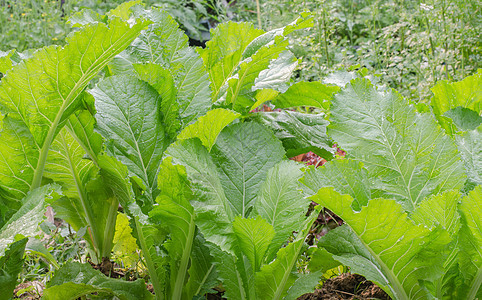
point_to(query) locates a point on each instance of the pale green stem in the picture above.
(150, 264)
(476, 285)
(182, 271)
(258, 12)
(110, 228)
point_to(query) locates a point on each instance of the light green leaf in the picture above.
(299, 133)
(6, 61)
(406, 154)
(74, 280)
(304, 93)
(164, 44)
(470, 244)
(81, 126)
(470, 149)
(243, 154)
(208, 127)
(192, 82)
(18, 159)
(202, 272)
(254, 237)
(213, 211)
(230, 273)
(176, 213)
(128, 117)
(389, 249)
(278, 74)
(84, 17)
(66, 165)
(125, 247)
(443, 210)
(43, 91)
(440, 209)
(11, 263)
(241, 86)
(466, 93)
(123, 10)
(304, 21)
(160, 42)
(224, 52)
(346, 176)
(281, 204)
(275, 280)
(161, 79)
(89, 199)
(303, 284)
(25, 221)
(464, 118)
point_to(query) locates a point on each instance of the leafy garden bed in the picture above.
(173, 160)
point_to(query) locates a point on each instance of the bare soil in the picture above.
(347, 287)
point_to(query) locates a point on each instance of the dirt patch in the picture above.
(31, 290)
(347, 286)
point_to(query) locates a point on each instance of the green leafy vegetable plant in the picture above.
(98, 116)
(408, 190)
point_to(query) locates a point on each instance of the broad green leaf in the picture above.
(161, 79)
(74, 280)
(202, 272)
(208, 127)
(240, 88)
(470, 244)
(84, 17)
(275, 280)
(304, 93)
(18, 160)
(25, 221)
(176, 213)
(116, 176)
(303, 284)
(440, 209)
(299, 133)
(213, 211)
(129, 119)
(89, 199)
(281, 204)
(388, 249)
(463, 118)
(123, 10)
(243, 154)
(192, 82)
(262, 96)
(160, 42)
(346, 176)
(466, 93)
(470, 149)
(224, 52)
(81, 127)
(407, 155)
(6, 61)
(304, 21)
(43, 91)
(277, 75)
(230, 273)
(124, 243)
(66, 165)
(11, 263)
(254, 237)
(164, 44)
